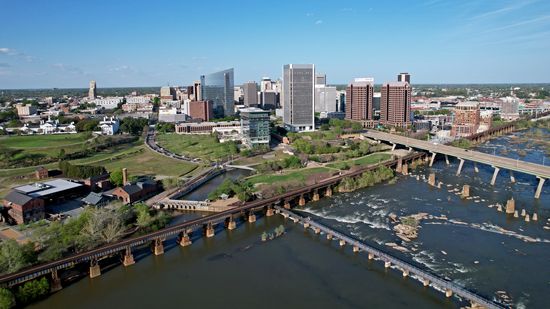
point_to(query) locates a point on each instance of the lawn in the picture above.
(194, 145)
(43, 141)
(299, 175)
(366, 160)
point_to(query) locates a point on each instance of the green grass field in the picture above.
(366, 160)
(43, 141)
(291, 176)
(194, 145)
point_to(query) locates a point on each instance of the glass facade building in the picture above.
(255, 126)
(218, 87)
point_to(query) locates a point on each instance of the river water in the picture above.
(476, 246)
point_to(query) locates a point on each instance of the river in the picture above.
(303, 270)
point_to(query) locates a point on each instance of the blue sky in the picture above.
(153, 43)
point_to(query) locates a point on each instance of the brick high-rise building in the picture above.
(466, 119)
(359, 99)
(404, 77)
(201, 110)
(395, 104)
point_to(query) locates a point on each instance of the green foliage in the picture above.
(8, 114)
(14, 256)
(462, 143)
(148, 219)
(367, 179)
(165, 127)
(80, 171)
(242, 189)
(116, 177)
(87, 125)
(32, 290)
(133, 126)
(7, 299)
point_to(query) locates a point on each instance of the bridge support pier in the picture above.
(425, 282)
(185, 240)
(460, 167)
(269, 212)
(210, 230)
(405, 273)
(158, 247)
(410, 149)
(95, 270)
(511, 206)
(315, 196)
(393, 146)
(448, 293)
(328, 192)
(399, 166)
(329, 236)
(317, 230)
(405, 169)
(447, 159)
(475, 167)
(371, 256)
(231, 225)
(287, 205)
(387, 264)
(465, 191)
(56, 282)
(342, 242)
(128, 258)
(306, 225)
(495, 174)
(512, 178)
(432, 159)
(251, 218)
(355, 248)
(302, 201)
(431, 179)
(539, 187)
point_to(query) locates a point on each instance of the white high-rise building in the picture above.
(298, 97)
(325, 99)
(92, 92)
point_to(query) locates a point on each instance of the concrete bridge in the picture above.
(183, 231)
(497, 162)
(426, 278)
(188, 205)
(242, 167)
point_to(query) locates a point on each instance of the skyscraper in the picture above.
(320, 79)
(92, 92)
(395, 104)
(250, 91)
(359, 99)
(298, 97)
(218, 87)
(197, 90)
(404, 77)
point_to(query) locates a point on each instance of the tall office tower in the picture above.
(250, 92)
(395, 104)
(404, 77)
(325, 99)
(298, 97)
(197, 90)
(320, 79)
(265, 84)
(218, 87)
(359, 102)
(92, 92)
(200, 110)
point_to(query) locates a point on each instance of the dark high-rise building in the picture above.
(359, 95)
(395, 104)
(250, 93)
(218, 87)
(298, 97)
(404, 77)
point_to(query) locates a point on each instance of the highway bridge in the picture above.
(183, 230)
(426, 278)
(497, 162)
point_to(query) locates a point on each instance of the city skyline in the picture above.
(56, 45)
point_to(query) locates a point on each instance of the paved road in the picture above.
(150, 142)
(476, 156)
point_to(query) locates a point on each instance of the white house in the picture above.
(109, 125)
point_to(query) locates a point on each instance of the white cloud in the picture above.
(318, 22)
(69, 68)
(503, 10)
(5, 50)
(519, 24)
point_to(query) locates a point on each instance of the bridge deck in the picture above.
(476, 156)
(421, 274)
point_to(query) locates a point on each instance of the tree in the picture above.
(14, 256)
(7, 300)
(116, 177)
(32, 290)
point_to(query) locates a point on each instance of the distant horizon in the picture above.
(466, 42)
